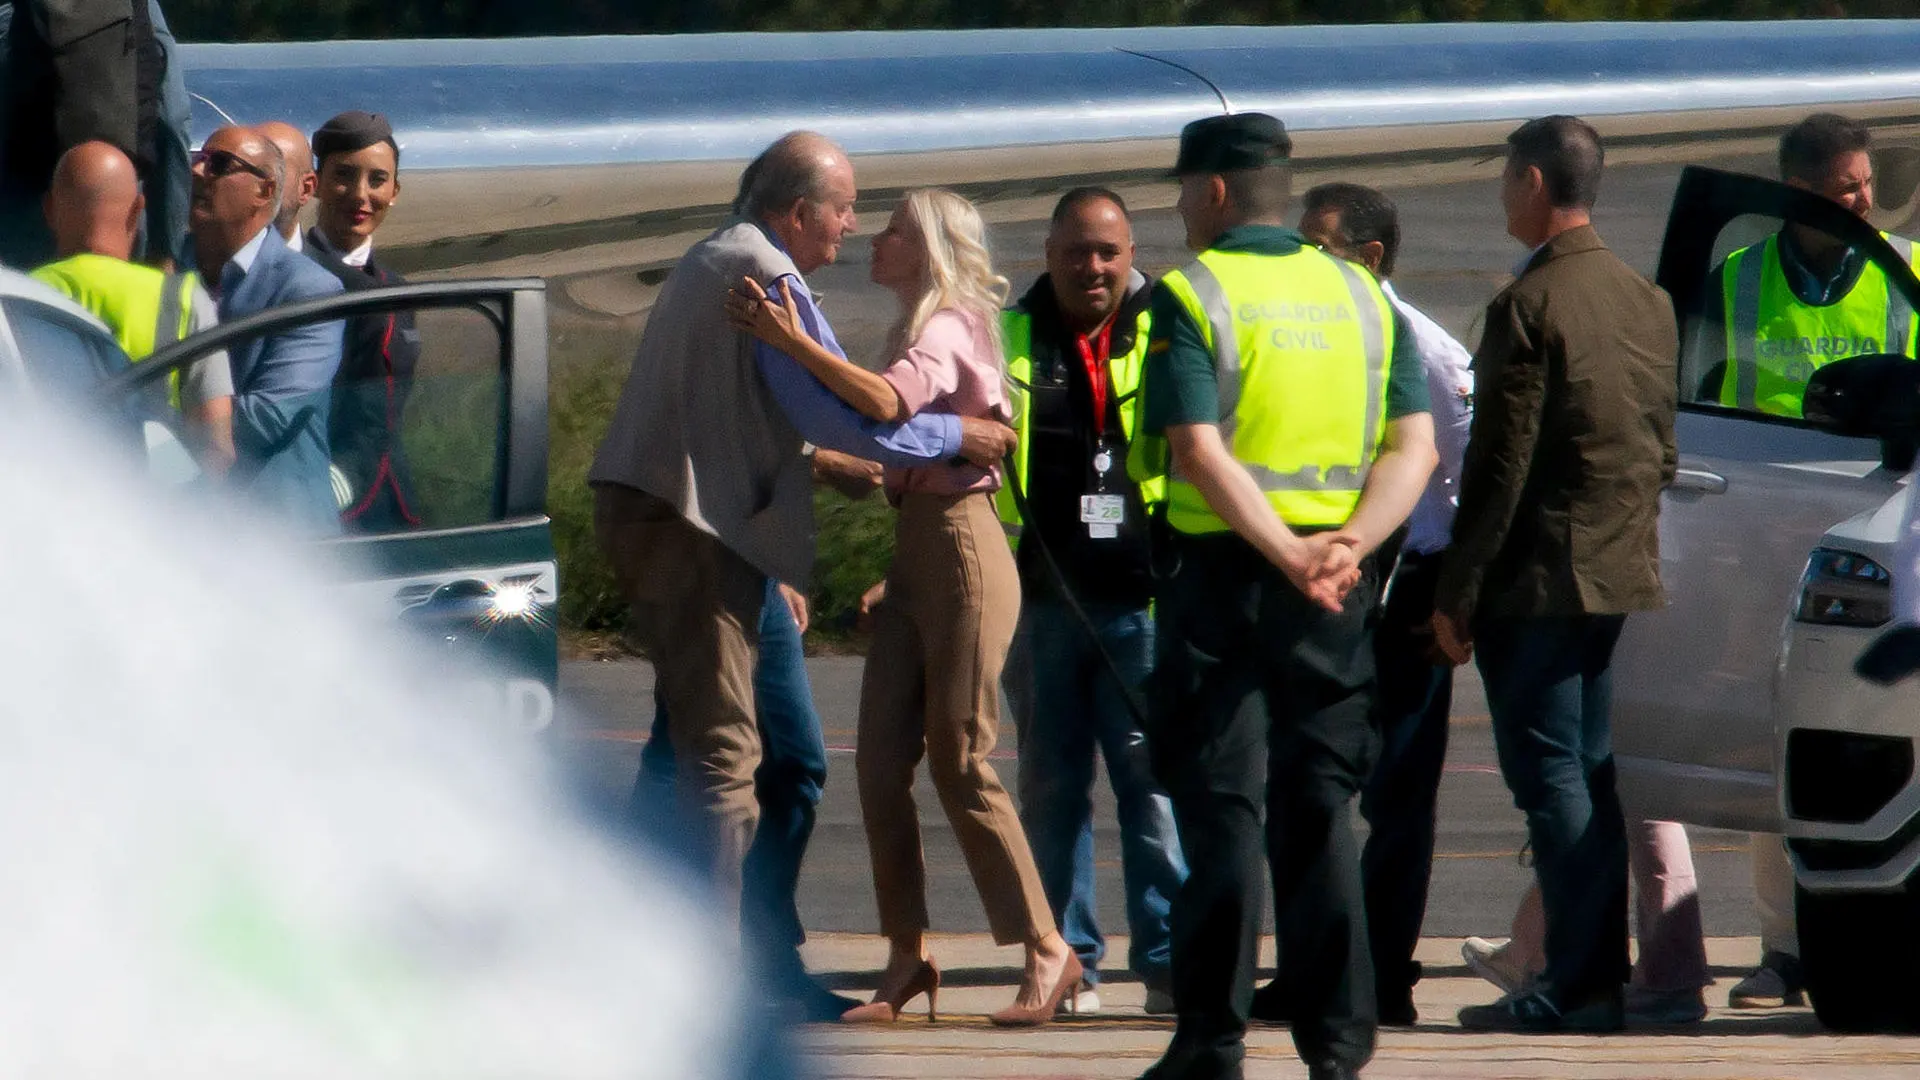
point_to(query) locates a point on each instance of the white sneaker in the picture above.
(1496, 964)
(1159, 1002)
(1086, 1000)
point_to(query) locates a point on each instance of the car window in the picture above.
(62, 355)
(417, 417)
(1782, 300)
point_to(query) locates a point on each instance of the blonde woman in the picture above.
(930, 688)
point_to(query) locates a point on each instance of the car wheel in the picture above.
(1860, 953)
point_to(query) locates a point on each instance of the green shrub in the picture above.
(580, 403)
(854, 544)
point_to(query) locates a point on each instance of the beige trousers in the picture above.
(696, 616)
(931, 689)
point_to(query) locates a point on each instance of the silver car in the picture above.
(1739, 705)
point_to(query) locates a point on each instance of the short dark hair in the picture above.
(1567, 152)
(1366, 216)
(1089, 193)
(1810, 147)
(1262, 193)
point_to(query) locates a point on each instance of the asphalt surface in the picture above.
(606, 707)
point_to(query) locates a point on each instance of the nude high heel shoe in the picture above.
(1063, 991)
(886, 1009)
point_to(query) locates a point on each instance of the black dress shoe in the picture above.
(809, 1002)
(1398, 1014)
(1271, 1005)
(1165, 1071)
(1332, 1070)
(1535, 1012)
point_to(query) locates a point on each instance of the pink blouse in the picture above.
(952, 367)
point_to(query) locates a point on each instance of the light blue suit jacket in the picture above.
(282, 389)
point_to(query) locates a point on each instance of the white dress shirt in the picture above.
(1449, 368)
(357, 257)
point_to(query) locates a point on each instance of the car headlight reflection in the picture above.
(516, 599)
(1841, 588)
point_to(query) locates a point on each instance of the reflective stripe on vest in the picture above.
(1761, 310)
(1276, 410)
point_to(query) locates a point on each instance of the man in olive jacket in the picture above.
(1555, 544)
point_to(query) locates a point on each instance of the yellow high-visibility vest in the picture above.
(1302, 346)
(1017, 332)
(145, 308)
(1775, 342)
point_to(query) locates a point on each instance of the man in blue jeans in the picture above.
(788, 783)
(1075, 345)
(1555, 543)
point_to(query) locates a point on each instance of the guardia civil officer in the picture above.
(1802, 298)
(1287, 405)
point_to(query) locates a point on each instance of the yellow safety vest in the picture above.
(145, 308)
(1017, 331)
(1302, 345)
(1775, 342)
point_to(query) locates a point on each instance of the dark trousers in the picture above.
(1414, 699)
(1549, 689)
(788, 783)
(1260, 707)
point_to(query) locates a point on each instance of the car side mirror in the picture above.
(1876, 395)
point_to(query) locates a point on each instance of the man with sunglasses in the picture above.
(282, 381)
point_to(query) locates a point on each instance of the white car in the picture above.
(1739, 706)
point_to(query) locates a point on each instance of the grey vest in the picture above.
(697, 425)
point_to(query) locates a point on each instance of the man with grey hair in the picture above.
(282, 382)
(703, 489)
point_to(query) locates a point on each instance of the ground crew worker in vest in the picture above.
(1801, 299)
(1795, 302)
(1074, 347)
(1285, 401)
(94, 209)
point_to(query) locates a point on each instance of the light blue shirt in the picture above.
(824, 420)
(241, 264)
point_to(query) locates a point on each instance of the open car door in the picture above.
(468, 558)
(1757, 488)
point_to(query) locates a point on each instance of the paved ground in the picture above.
(1475, 883)
(1121, 1042)
(1476, 879)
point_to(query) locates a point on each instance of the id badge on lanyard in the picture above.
(1102, 512)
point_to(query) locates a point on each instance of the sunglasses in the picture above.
(220, 163)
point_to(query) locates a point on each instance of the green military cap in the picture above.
(1220, 144)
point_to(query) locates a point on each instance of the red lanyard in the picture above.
(1097, 372)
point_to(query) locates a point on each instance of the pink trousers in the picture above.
(1666, 912)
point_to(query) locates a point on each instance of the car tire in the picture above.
(1860, 953)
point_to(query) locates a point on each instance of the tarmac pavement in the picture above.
(1122, 1041)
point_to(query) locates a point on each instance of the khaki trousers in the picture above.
(696, 616)
(931, 689)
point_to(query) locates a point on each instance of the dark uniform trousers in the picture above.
(1261, 704)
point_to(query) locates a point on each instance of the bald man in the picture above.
(703, 488)
(93, 208)
(282, 382)
(301, 182)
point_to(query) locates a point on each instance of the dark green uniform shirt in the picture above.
(1178, 378)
